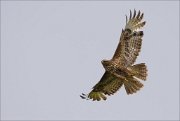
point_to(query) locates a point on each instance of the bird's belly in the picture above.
(122, 73)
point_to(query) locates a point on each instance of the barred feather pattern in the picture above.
(108, 85)
(132, 85)
(129, 47)
(113, 87)
(134, 23)
(131, 50)
(139, 71)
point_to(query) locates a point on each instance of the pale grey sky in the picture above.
(51, 52)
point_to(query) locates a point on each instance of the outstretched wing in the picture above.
(130, 41)
(108, 85)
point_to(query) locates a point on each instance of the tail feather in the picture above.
(140, 71)
(132, 85)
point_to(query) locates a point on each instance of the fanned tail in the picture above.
(140, 71)
(132, 85)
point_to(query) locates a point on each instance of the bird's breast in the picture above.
(122, 72)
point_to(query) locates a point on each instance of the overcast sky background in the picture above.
(51, 52)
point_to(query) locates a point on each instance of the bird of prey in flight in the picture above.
(121, 70)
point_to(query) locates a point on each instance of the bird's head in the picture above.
(105, 63)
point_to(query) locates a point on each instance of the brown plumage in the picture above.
(119, 70)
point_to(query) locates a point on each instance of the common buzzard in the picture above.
(120, 69)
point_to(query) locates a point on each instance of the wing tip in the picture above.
(134, 21)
